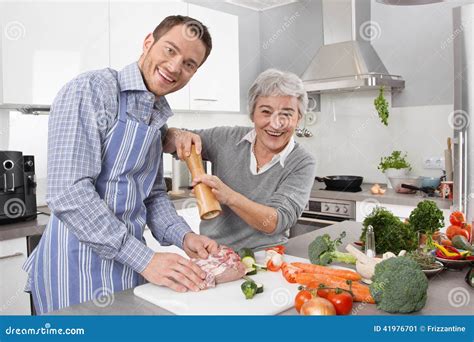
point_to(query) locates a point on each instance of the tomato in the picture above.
(446, 242)
(289, 272)
(342, 300)
(457, 218)
(324, 292)
(280, 249)
(302, 297)
(464, 233)
(272, 267)
(452, 231)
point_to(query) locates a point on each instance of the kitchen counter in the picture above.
(26, 228)
(439, 302)
(390, 196)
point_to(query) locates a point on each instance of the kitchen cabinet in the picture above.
(215, 86)
(46, 44)
(364, 208)
(13, 301)
(129, 25)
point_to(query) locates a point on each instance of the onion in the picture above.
(318, 307)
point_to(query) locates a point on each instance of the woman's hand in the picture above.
(181, 141)
(223, 193)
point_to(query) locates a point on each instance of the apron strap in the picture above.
(123, 107)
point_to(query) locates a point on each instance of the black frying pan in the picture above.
(426, 189)
(341, 182)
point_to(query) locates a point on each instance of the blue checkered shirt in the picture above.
(82, 115)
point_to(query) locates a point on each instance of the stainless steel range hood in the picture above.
(347, 61)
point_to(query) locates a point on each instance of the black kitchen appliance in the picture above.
(17, 187)
(342, 183)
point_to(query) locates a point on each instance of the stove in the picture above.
(323, 212)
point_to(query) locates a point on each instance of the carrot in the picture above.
(314, 280)
(310, 268)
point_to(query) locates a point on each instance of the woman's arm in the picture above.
(259, 216)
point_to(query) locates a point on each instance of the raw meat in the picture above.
(222, 267)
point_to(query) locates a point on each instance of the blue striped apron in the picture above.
(64, 271)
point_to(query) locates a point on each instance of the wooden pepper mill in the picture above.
(208, 205)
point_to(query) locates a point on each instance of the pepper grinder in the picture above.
(208, 205)
(370, 242)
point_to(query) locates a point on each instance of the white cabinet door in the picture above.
(46, 44)
(215, 86)
(13, 301)
(130, 23)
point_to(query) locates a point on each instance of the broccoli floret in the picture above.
(323, 251)
(399, 285)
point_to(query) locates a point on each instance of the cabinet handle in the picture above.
(208, 100)
(11, 256)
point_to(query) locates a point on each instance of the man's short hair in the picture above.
(192, 29)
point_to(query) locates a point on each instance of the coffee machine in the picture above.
(17, 187)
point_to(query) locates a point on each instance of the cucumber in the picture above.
(259, 288)
(461, 242)
(245, 252)
(248, 261)
(250, 271)
(260, 267)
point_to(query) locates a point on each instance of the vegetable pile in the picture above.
(323, 251)
(391, 234)
(399, 285)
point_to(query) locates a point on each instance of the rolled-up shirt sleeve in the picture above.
(292, 195)
(74, 163)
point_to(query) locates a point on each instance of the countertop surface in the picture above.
(37, 226)
(390, 196)
(25, 228)
(445, 293)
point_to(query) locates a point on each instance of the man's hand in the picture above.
(223, 193)
(180, 141)
(175, 272)
(199, 246)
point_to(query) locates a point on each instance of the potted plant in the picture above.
(426, 220)
(395, 165)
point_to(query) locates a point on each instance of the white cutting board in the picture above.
(227, 298)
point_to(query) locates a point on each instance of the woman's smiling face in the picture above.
(275, 119)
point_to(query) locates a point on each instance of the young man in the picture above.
(105, 178)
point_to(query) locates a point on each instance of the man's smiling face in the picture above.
(168, 64)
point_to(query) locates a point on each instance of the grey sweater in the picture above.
(286, 189)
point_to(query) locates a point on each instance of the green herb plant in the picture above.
(391, 234)
(427, 219)
(394, 161)
(381, 105)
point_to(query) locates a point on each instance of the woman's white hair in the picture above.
(273, 82)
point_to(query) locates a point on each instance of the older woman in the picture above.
(261, 176)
